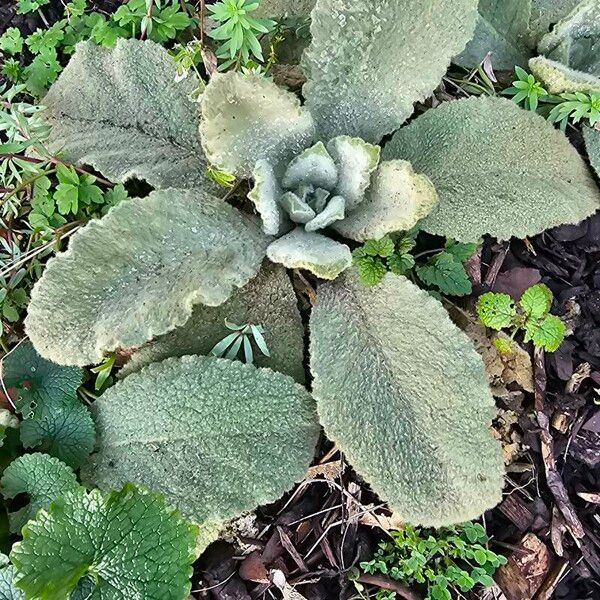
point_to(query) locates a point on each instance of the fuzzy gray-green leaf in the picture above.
(268, 300)
(498, 170)
(370, 60)
(592, 145)
(216, 437)
(404, 395)
(121, 111)
(137, 273)
(247, 118)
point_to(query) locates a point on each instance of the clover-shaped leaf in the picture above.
(192, 248)
(122, 545)
(230, 436)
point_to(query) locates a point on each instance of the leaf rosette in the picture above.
(397, 385)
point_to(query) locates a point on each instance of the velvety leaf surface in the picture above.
(268, 300)
(247, 118)
(592, 145)
(575, 40)
(281, 8)
(497, 168)
(404, 394)
(129, 542)
(43, 478)
(121, 111)
(317, 253)
(397, 199)
(265, 195)
(502, 29)
(557, 78)
(404, 48)
(545, 13)
(138, 272)
(216, 437)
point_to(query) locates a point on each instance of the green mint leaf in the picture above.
(536, 301)
(383, 247)
(371, 270)
(496, 311)
(399, 264)
(447, 274)
(128, 542)
(405, 244)
(462, 252)
(42, 477)
(11, 41)
(548, 333)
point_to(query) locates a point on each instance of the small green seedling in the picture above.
(526, 90)
(442, 560)
(576, 107)
(443, 270)
(532, 315)
(103, 371)
(238, 31)
(229, 346)
(220, 177)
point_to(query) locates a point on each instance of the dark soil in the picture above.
(548, 522)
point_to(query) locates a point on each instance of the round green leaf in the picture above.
(128, 543)
(138, 272)
(498, 170)
(216, 437)
(42, 477)
(404, 394)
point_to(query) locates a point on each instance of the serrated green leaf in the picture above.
(548, 333)
(129, 542)
(121, 111)
(267, 300)
(120, 284)
(11, 41)
(42, 477)
(383, 247)
(40, 382)
(63, 429)
(399, 264)
(229, 435)
(462, 252)
(247, 118)
(472, 157)
(371, 270)
(536, 301)
(403, 58)
(404, 395)
(446, 273)
(495, 310)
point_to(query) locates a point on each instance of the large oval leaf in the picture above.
(268, 300)
(371, 60)
(216, 437)
(138, 272)
(497, 168)
(121, 111)
(404, 394)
